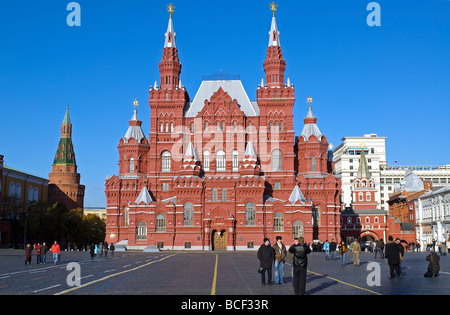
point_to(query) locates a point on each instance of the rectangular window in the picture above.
(165, 186)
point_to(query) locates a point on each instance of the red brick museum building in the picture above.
(220, 171)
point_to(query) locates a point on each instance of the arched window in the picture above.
(360, 196)
(367, 220)
(12, 190)
(160, 223)
(18, 191)
(131, 168)
(368, 197)
(142, 230)
(30, 193)
(214, 195)
(376, 220)
(349, 220)
(313, 163)
(250, 213)
(276, 160)
(188, 214)
(220, 161)
(224, 194)
(35, 194)
(166, 161)
(206, 161)
(298, 229)
(235, 160)
(278, 222)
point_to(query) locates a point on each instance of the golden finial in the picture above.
(171, 9)
(273, 7)
(331, 146)
(309, 100)
(135, 103)
(362, 145)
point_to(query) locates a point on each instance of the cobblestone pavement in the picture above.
(186, 273)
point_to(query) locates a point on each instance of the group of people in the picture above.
(275, 255)
(100, 248)
(41, 253)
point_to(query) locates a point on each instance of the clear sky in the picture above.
(392, 80)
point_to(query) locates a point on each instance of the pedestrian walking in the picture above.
(394, 253)
(433, 265)
(44, 250)
(112, 248)
(280, 254)
(355, 247)
(443, 249)
(342, 252)
(105, 246)
(28, 253)
(379, 247)
(56, 250)
(92, 251)
(100, 249)
(266, 256)
(38, 253)
(333, 247)
(300, 253)
(326, 248)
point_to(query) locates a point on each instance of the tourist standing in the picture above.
(38, 253)
(56, 250)
(342, 252)
(326, 248)
(355, 247)
(266, 256)
(280, 254)
(28, 252)
(300, 263)
(379, 247)
(112, 248)
(393, 254)
(44, 250)
(333, 246)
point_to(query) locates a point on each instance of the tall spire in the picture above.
(274, 65)
(363, 169)
(170, 66)
(170, 34)
(274, 34)
(65, 153)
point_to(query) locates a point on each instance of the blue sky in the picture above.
(392, 80)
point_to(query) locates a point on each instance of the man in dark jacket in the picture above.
(394, 253)
(266, 256)
(300, 262)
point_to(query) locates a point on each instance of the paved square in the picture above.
(209, 273)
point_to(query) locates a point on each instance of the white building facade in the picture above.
(433, 217)
(346, 159)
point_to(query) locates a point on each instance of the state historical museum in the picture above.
(221, 171)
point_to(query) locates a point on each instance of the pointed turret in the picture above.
(363, 169)
(249, 165)
(65, 153)
(310, 128)
(170, 66)
(274, 65)
(135, 128)
(64, 181)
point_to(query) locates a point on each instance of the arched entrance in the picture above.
(219, 240)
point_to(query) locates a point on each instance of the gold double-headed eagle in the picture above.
(273, 7)
(171, 9)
